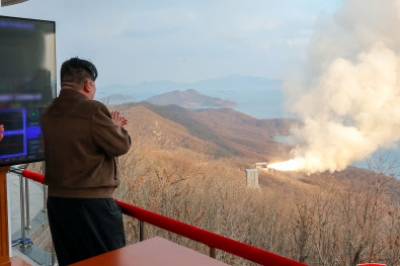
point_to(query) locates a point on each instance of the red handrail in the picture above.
(200, 235)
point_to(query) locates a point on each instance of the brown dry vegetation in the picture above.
(189, 165)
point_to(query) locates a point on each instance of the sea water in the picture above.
(258, 104)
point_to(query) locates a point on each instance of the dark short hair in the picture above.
(77, 70)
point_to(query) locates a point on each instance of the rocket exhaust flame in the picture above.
(309, 166)
(291, 165)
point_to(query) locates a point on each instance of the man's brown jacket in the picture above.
(81, 143)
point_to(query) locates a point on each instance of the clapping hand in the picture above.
(118, 119)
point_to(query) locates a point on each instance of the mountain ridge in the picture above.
(189, 98)
(233, 133)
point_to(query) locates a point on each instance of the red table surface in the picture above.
(153, 251)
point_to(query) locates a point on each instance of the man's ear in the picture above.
(86, 86)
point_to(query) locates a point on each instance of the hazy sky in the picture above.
(132, 41)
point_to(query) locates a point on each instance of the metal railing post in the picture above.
(44, 190)
(141, 231)
(22, 203)
(28, 219)
(44, 198)
(24, 240)
(53, 256)
(212, 252)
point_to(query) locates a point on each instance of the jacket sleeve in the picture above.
(113, 139)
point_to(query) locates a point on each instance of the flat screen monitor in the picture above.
(27, 86)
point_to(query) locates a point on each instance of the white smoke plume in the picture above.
(349, 95)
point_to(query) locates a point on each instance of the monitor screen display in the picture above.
(27, 86)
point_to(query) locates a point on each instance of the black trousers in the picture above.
(84, 228)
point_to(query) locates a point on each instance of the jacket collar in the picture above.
(68, 93)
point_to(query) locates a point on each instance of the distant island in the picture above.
(116, 99)
(189, 98)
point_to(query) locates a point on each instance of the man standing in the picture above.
(82, 139)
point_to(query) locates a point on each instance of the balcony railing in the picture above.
(212, 240)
